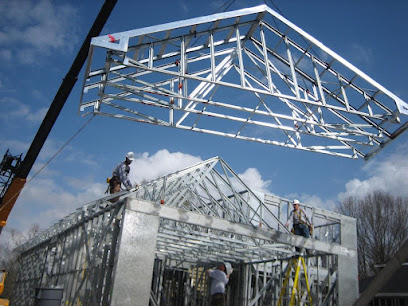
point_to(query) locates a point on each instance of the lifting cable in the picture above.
(226, 8)
(311, 48)
(283, 15)
(232, 2)
(3, 205)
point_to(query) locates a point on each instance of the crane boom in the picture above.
(18, 182)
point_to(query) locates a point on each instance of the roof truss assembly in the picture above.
(248, 74)
(238, 218)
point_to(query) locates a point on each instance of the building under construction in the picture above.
(248, 74)
(156, 242)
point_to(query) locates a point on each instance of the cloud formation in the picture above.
(13, 110)
(253, 179)
(49, 201)
(389, 174)
(147, 168)
(28, 28)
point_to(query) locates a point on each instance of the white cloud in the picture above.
(316, 201)
(362, 54)
(81, 157)
(148, 168)
(42, 170)
(253, 179)
(163, 162)
(389, 174)
(71, 154)
(14, 109)
(45, 201)
(16, 146)
(51, 146)
(38, 115)
(30, 27)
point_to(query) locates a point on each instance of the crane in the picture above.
(18, 170)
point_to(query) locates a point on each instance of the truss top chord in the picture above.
(249, 74)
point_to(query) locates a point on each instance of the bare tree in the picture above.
(9, 256)
(382, 227)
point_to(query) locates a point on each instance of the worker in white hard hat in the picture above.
(219, 279)
(301, 222)
(120, 175)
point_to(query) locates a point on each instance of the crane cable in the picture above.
(283, 15)
(232, 2)
(3, 205)
(276, 7)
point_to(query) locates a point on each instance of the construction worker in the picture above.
(120, 175)
(301, 222)
(219, 278)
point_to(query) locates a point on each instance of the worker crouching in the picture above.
(120, 176)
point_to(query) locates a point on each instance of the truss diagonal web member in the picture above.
(248, 74)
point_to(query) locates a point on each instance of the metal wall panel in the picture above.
(135, 258)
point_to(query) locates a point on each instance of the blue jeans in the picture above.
(301, 230)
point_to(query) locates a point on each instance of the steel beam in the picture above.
(215, 223)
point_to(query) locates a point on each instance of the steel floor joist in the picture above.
(248, 74)
(204, 215)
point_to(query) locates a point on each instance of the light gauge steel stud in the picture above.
(248, 74)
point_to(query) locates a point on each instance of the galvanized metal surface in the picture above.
(248, 74)
(179, 226)
(135, 259)
(77, 254)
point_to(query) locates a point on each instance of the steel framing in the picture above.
(248, 74)
(8, 167)
(156, 243)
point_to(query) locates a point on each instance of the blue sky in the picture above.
(39, 40)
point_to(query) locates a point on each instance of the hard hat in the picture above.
(296, 202)
(130, 156)
(228, 268)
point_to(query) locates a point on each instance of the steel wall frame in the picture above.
(78, 255)
(205, 214)
(248, 74)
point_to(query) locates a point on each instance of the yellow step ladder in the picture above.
(296, 296)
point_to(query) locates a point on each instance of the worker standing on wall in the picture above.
(301, 222)
(120, 175)
(219, 278)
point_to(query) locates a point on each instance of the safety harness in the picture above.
(299, 215)
(113, 182)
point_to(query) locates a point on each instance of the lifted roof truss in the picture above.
(248, 74)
